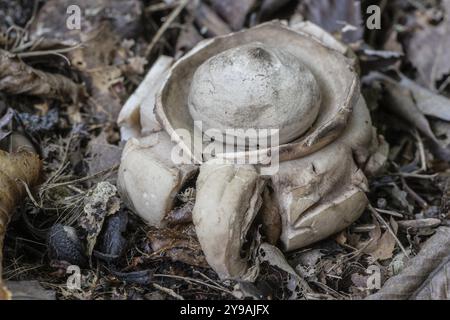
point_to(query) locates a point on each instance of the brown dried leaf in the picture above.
(103, 155)
(188, 39)
(273, 255)
(29, 290)
(400, 100)
(386, 244)
(15, 170)
(51, 20)
(428, 50)
(381, 246)
(104, 25)
(181, 215)
(16, 77)
(234, 12)
(178, 244)
(208, 20)
(340, 17)
(430, 103)
(415, 277)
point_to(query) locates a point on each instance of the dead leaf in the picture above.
(307, 262)
(398, 262)
(340, 17)
(433, 253)
(180, 215)
(272, 255)
(381, 246)
(401, 102)
(360, 281)
(234, 12)
(428, 50)
(399, 196)
(386, 244)
(178, 244)
(29, 290)
(430, 103)
(212, 25)
(188, 38)
(376, 60)
(101, 57)
(51, 20)
(16, 78)
(103, 155)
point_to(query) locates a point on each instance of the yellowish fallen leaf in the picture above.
(16, 170)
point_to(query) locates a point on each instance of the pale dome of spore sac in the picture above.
(255, 86)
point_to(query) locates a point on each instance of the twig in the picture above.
(58, 52)
(170, 292)
(170, 19)
(187, 279)
(389, 212)
(388, 227)
(95, 175)
(209, 279)
(415, 175)
(444, 85)
(160, 7)
(30, 195)
(421, 148)
(414, 195)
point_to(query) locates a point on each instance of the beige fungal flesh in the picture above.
(309, 89)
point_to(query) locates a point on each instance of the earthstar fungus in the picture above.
(298, 81)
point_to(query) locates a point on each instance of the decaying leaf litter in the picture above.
(63, 89)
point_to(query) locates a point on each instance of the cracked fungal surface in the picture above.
(255, 86)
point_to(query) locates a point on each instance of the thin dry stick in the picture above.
(414, 195)
(444, 85)
(170, 19)
(391, 213)
(421, 148)
(160, 7)
(187, 279)
(209, 279)
(170, 292)
(416, 176)
(93, 176)
(58, 52)
(388, 227)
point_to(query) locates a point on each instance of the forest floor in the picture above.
(74, 128)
